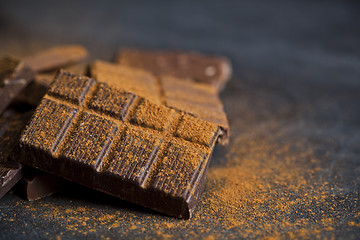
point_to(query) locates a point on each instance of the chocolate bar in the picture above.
(10, 170)
(213, 70)
(36, 184)
(14, 77)
(56, 57)
(119, 143)
(198, 99)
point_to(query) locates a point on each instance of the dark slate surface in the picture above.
(296, 83)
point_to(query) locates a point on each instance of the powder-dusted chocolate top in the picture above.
(214, 70)
(119, 143)
(198, 99)
(14, 76)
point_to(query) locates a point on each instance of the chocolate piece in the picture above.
(138, 81)
(36, 184)
(10, 130)
(56, 57)
(14, 77)
(198, 99)
(119, 143)
(214, 70)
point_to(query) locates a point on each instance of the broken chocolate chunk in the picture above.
(201, 100)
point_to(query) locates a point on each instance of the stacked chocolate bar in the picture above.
(142, 129)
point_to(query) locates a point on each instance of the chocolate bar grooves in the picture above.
(136, 170)
(158, 181)
(145, 168)
(77, 89)
(161, 93)
(132, 168)
(172, 185)
(99, 162)
(82, 146)
(207, 69)
(101, 101)
(149, 153)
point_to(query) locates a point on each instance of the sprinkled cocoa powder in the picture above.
(195, 98)
(269, 188)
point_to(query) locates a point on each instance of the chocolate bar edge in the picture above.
(36, 185)
(166, 203)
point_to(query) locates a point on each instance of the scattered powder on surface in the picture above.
(266, 189)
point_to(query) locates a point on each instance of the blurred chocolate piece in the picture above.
(10, 131)
(201, 100)
(56, 57)
(213, 70)
(10, 174)
(36, 184)
(14, 77)
(119, 143)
